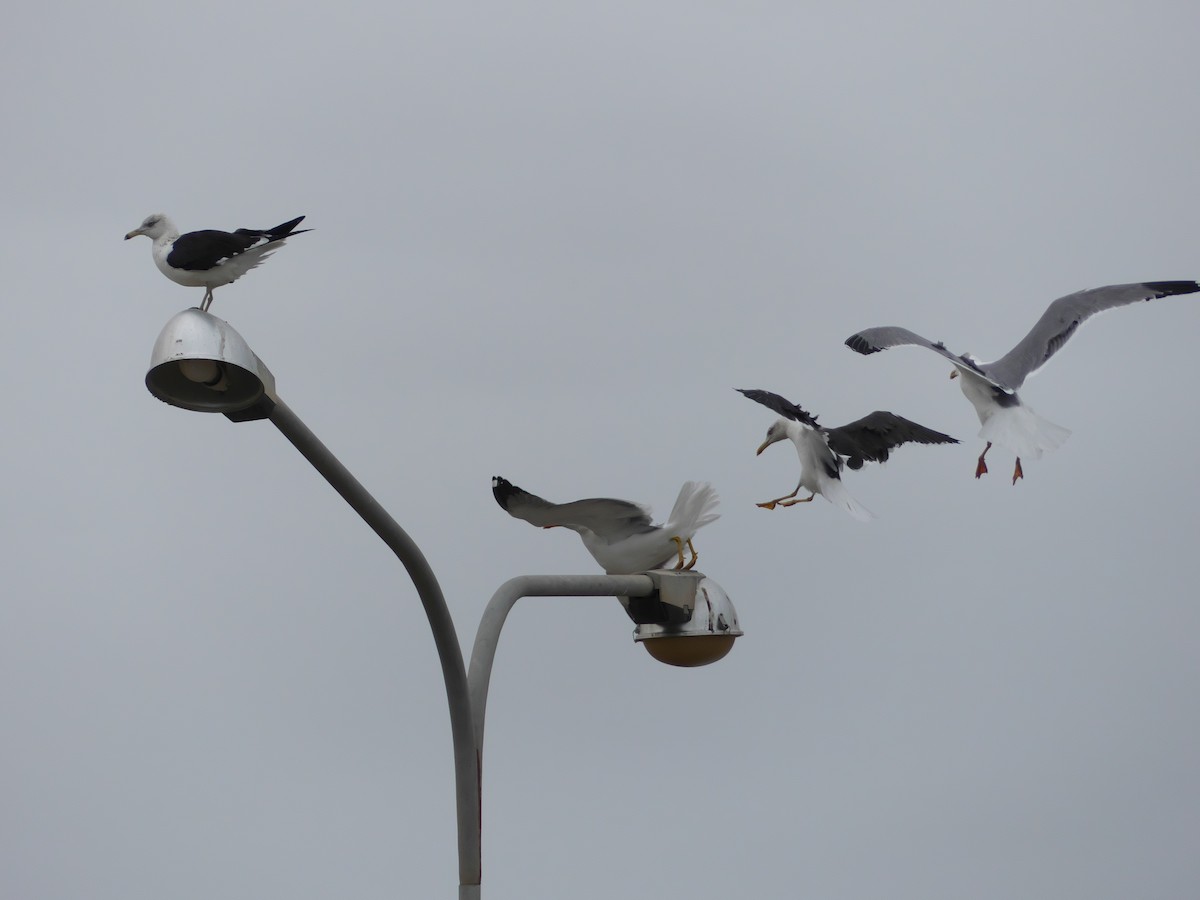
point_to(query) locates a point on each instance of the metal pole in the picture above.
(466, 759)
(467, 696)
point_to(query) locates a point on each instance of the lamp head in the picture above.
(201, 363)
(690, 621)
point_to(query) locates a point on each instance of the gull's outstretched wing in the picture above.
(1064, 316)
(781, 405)
(870, 438)
(603, 516)
(872, 340)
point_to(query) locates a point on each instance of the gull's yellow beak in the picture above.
(134, 233)
(761, 447)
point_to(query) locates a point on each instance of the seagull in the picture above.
(617, 533)
(210, 259)
(824, 451)
(992, 387)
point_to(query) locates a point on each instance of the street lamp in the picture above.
(201, 363)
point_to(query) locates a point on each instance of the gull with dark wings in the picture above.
(992, 387)
(210, 258)
(619, 534)
(824, 451)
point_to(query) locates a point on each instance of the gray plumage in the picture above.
(992, 387)
(604, 516)
(1047, 337)
(619, 534)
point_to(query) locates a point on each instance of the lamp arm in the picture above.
(483, 654)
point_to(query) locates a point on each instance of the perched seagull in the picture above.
(823, 451)
(618, 533)
(992, 387)
(210, 259)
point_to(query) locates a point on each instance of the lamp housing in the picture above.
(688, 621)
(200, 362)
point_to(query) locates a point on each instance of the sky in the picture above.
(549, 241)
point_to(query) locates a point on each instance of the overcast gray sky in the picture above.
(548, 243)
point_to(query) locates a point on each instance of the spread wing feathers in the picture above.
(1064, 316)
(781, 405)
(200, 250)
(870, 438)
(602, 516)
(872, 340)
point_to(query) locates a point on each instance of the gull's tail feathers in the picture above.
(835, 492)
(694, 508)
(1024, 432)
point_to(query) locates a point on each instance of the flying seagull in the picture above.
(992, 387)
(619, 534)
(210, 259)
(824, 451)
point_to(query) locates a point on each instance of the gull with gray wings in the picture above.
(992, 387)
(619, 534)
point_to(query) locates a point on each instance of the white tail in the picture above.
(1024, 432)
(835, 492)
(694, 508)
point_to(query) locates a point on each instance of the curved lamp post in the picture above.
(201, 363)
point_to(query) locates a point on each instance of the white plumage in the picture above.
(820, 469)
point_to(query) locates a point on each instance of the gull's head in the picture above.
(777, 432)
(153, 227)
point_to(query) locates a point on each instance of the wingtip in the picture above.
(288, 229)
(502, 490)
(860, 344)
(1169, 288)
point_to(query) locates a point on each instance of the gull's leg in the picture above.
(770, 504)
(695, 556)
(808, 499)
(981, 468)
(207, 301)
(679, 547)
(1017, 473)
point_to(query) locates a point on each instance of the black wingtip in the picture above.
(1168, 288)
(859, 344)
(503, 490)
(287, 229)
(780, 404)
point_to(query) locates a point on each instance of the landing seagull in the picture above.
(617, 533)
(992, 387)
(824, 451)
(210, 259)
